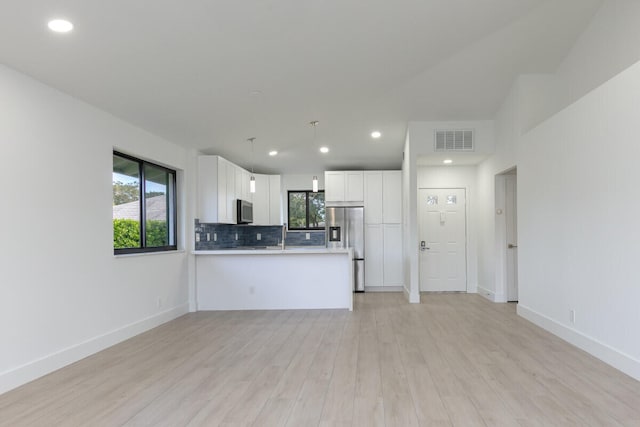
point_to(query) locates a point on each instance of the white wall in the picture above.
(507, 132)
(419, 143)
(422, 135)
(458, 177)
(607, 46)
(300, 182)
(409, 222)
(64, 295)
(578, 228)
(564, 163)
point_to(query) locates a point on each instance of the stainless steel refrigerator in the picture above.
(345, 229)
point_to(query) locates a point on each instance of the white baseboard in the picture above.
(37, 368)
(602, 351)
(413, 299)
(487, 294)
(384, 288)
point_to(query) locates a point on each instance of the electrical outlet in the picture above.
(197, 237)
(259, 236)
(236, 236)
(208, 237)
(308, 236)
(215, 237)
(572, 316)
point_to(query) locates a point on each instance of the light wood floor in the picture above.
(452, 360)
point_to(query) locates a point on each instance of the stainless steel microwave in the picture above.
(244, 212)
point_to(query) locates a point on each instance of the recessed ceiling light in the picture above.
(376, 134)
(60, 25)
(324, 150)
(273, 153)
(447, 161)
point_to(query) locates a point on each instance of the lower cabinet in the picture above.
(374, 255)
(393, 274)
(383, 254)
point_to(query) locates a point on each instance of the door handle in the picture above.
(511, 246)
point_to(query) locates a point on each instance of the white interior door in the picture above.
(511, 217)
(443, 250)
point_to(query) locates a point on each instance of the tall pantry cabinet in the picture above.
(383, 230)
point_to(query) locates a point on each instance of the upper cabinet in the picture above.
(392, 197)
(221, 183)
(333, 186)
(216, 190)
(383, 197)
(343, 187)
(373, 197)
(267, 208)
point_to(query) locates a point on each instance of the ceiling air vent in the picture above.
(454, 140)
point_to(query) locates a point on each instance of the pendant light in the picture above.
(315, 178)
(252, 180)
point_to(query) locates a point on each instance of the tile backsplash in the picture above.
(228, 236)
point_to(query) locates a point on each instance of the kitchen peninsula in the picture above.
(274, 279)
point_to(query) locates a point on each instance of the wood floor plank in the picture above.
(453, 360)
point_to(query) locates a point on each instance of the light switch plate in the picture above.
(259, 236)
(308, 236)
(197, 237)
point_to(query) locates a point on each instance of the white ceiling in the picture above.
(187, 70)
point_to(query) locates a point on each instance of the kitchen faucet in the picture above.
(284, 235)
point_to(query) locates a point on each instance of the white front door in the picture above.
(511, 216)
(442, 221)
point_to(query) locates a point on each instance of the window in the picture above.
(306, 210)
(144, 206)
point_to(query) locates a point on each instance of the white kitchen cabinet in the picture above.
(334, 186)
(222, 191)
(392, 255)
(231, 191)
(213, 191)
(241, 193)
(373, 199)
(266, 200)
(392, 197)
(383, 229)
(261, 200)
(221, 183)
(374, 255)
(383, 256)
(246, 191)
(354, 186)
(343, 187)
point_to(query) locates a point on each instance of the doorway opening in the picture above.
(506, 230)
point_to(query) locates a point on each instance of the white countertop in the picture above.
(286, 251)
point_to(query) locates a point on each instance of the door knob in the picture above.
(511, 246)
